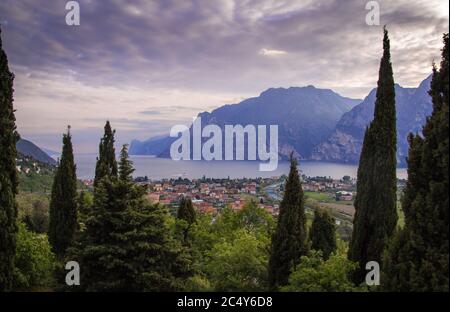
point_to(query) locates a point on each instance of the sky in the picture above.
(147, 65)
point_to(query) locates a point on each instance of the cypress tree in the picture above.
(323, 233)
(63, 204)
(126, 245)
(8, 174)
(289, 240)
(375, 203)
(186, 211)
(418, 257)
(106, 161)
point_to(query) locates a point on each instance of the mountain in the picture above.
(318, 124)
(344, 144)
(154, 146)
(28, 148)
(305, 116)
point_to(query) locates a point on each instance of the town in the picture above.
(210, 195)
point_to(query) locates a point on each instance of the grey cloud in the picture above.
(210, 45)
(214, 46)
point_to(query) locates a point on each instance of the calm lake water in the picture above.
(158, 168)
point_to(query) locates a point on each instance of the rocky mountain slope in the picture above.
(344, 144)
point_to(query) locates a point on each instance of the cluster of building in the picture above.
(343, 189)
(27, 165)
(323, 184)
(213, 195)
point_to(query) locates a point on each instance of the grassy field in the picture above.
(319, 196)
(325, 197)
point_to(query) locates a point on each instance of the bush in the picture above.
(316, 275)
(34, 262)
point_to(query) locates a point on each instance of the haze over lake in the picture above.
(159, 168)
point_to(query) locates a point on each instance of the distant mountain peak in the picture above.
(305, 116)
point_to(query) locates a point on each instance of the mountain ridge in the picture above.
(315, 123)
(285, 107)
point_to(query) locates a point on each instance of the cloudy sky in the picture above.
(149, 64)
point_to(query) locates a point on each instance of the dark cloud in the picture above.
(208, 44)
(235, 48)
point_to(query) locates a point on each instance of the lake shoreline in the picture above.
(166, 168)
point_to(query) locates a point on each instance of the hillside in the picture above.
(34, 175)
(28, 148)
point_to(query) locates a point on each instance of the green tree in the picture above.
(186, 217)
(186, 211)
(231, 250)
(8, 174)
(239, 264)
(38, 220)
(63, 204)
(418, 257)
(126, 245)
(317, 275)
(289, 240)
(375, 204)
(323, 233)
(106, 161)
(35, 263)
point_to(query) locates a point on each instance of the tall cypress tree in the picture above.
(418, 257)
(376, 204)
(106, 161)
(323, 233)
(289, 240)
(8, 174)
(63, 203)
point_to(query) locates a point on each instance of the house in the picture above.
(344, 196)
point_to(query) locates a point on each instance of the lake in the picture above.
(159, 168)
